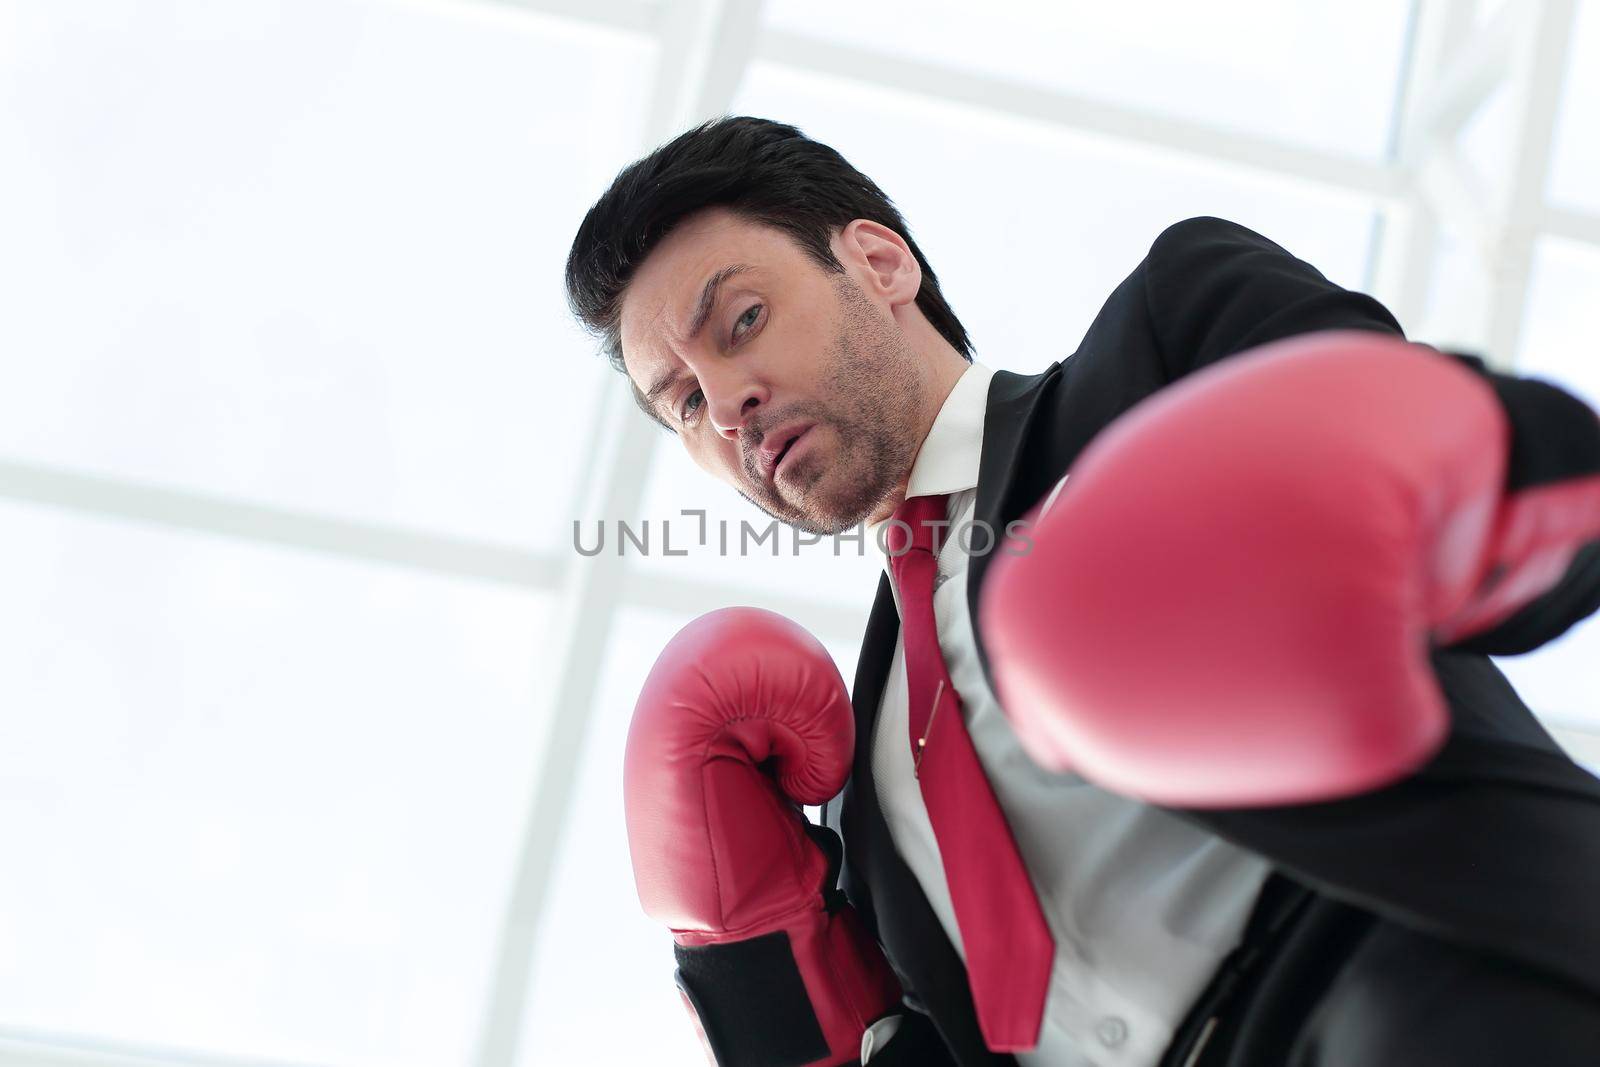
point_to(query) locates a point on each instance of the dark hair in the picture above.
(765, 171)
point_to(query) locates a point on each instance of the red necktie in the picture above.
(1008, 944)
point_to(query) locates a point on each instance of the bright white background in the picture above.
(311, 718)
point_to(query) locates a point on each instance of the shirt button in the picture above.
(1111, 1031)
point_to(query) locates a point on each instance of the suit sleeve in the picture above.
(1215, 288)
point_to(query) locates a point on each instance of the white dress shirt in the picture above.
(1143, 905)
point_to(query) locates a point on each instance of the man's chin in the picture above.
(818, 498)
(809, 516)
(835, 515)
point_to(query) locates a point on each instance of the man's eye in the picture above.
(748, 320)
(688, 409)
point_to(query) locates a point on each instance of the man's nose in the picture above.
(732, 403)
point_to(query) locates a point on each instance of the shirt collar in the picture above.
(947, 462)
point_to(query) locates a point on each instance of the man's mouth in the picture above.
(785, 452)
(787, 438)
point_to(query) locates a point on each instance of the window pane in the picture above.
(1030, 228)
(1321, 75)
(1558, 333)
(1575, 162)
(262, 803)
(307, 253)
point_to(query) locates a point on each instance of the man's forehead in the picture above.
(663, 293)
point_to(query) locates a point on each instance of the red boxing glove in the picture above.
(1233, 599)
(743, 718)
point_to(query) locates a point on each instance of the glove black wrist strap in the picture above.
(752, 1002)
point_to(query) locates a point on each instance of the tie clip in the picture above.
(922, 742)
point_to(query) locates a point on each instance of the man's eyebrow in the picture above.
(708, 297)
(662, 384)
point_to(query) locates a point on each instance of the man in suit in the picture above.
(769, 307)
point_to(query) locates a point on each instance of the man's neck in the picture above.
(945, 368)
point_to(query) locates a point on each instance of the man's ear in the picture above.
(881, 261)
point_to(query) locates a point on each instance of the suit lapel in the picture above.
(1007, 485)
(872, 674)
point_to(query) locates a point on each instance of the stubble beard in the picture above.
(875, 396)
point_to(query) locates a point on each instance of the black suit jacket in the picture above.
(1495, 843)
